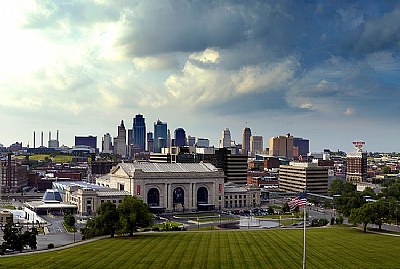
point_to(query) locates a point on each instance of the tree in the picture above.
(69, 220)
(363, 215)
(337, 187)
(271, 210)
(285, 208)
(134, 214)
(107, 220)
(386, 170)
(16, 240)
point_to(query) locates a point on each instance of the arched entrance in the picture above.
(178, 199)
(153, 197)
(202, 195)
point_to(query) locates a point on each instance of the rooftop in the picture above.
(147, 167)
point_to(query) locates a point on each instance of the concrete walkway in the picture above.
(29, 252)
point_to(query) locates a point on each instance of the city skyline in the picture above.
(323, 71)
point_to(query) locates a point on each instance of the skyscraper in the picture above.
(107, 144)
(160, 135)
(191, 141)
(120, 141)
(256, 144)
(356, 164)
(281, 146)
(303, 146)
(180, 137)
(139, 131)
(246, 134)
(150, 142)
(225, 141)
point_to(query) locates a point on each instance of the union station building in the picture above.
(169, 186)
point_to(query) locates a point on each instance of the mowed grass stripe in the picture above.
(326, 248)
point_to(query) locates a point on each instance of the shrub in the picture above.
(50, 246)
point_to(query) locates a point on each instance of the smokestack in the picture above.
(41, 139)
(49, 135)
(57, 135)
(34, 139)
(9, 171)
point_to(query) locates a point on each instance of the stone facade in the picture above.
(169, 186)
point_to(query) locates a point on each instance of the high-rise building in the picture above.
(90, 141)
(356, 164)
(256, 144)
(302, 146)
(191, 141)
(180, 137)
(139, 132)
(160, 135)
(203, 143)
(169, 139)
(130, 137)
(281, 146)
(246, 134)
(150, 142)
(298, 177)
(120, 141)
(225, 141)
(107, 144)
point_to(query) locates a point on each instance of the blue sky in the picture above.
(323, 70)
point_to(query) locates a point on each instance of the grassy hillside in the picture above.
(326, 248)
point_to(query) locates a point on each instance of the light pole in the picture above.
(74, 232)
(198, 224)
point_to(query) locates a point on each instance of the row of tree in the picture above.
(130, 215)
(357, 206)
(16, 240)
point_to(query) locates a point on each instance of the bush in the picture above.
(50, 246)
(332, 221)
(156, 229)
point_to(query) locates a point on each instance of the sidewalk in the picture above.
(29, 252)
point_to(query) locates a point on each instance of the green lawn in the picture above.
(280, 248)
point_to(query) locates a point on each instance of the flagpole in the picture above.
(304, 239)
(304, 232)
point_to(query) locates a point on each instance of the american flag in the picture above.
(299, 201)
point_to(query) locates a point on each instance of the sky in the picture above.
(327, 71)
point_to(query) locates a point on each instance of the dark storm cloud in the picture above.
(157, 27)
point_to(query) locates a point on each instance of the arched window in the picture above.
(178, 197)
(202, 195)
(153, 197)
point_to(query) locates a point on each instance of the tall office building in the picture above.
(297, 177)
(107, 144)
(356, 164)
(225, 141)
(191, 141)
(281, 146)
(256, 144)
(246, 134)
(301, 146)
(203, 143)
(139, 132)
(90, 141)
(180, 137)
(160, 135)
(120, 141)
(150, 142)
(169, 139)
